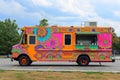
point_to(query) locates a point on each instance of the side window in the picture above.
(32, 40)
(67, 39)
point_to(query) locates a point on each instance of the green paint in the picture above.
(81, 47)
(17, 51)
(87, 32)
(50, 57)
(58, 57)
(101, 57)
(110, 57)
(93, 47)
(82, 30)
(93, 57)
(105, 41)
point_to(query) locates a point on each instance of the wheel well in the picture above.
(23, 55)
(83, 55)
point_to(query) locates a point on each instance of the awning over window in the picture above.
(87, 32)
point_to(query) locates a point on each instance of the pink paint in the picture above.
(29, 30)
(105, 40)
(19, 47)
(55, 42)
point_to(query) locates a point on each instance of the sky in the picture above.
(62, 12)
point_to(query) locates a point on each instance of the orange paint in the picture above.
(15, 55)
(63, 43)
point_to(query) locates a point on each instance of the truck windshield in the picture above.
(23, 38)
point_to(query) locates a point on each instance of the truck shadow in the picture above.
(61, 65)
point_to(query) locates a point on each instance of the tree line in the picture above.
(10, 36)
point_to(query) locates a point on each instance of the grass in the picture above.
(1, 71)
(90, 73)
(3, 56)
(19, 76)
(39, 75)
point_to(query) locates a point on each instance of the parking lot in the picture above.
(6, 64)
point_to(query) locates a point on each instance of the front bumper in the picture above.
(12, 59)
(113, 60)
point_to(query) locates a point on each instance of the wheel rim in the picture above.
(24, 61)
(83, 61)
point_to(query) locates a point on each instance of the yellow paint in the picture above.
(30, 49)
(68, 47)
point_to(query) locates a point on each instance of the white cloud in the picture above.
(107, 23)
(13, 8)
(10, 7)
(110, 1)
(82, 8)
(45, 3)
(85, 10)
(116, 13)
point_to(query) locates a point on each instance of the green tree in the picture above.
(43, 22)
(8, 35)
(115, 41)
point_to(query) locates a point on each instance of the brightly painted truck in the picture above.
(70, 43)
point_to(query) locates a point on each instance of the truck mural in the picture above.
(55, 43)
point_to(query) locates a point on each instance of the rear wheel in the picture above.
(83, 61)
(24, 61)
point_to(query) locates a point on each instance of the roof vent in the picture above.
(87, 23)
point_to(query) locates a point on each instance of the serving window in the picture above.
(86, 39)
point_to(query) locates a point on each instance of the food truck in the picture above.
(64, 43)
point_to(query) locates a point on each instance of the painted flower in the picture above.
(52, 43)
(105, 40)
(43, 34)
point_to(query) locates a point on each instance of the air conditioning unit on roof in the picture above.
(88, 23)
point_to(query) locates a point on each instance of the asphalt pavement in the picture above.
(6, 64)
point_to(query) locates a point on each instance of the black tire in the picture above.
(24, 61)
(83, 61)
(30, 62)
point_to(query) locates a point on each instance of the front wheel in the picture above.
(24, 61)
(83, 61)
